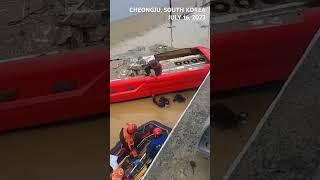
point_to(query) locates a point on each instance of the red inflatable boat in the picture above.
(182, 69)
(261, 55)
(49, 88)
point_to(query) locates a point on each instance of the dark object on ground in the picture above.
(193, 166)
(163, 102)
(225, 118)
(179, 98)
(244, 3)
(271, 1)
(220, 7)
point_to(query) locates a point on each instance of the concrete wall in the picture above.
(180, 151)
(286, 143)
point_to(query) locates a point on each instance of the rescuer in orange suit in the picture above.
(127, 138)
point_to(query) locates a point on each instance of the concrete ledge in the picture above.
(286, 143)
(173, 161)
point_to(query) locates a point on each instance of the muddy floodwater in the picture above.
(143, 110)
(71, 150)
(228, 143)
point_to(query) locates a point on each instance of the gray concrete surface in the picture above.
(257, 5)
(284, 14)
(260, 16)
(317, 176)
(33, 26)
(179, 151)
(286, 143)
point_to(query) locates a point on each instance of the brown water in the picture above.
(66, 151)
(144, 110)
(228, 143)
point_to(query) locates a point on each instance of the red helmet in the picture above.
(157, 131)
(117, 174)
(131, 128)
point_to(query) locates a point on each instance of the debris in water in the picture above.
(179, 98)
(160, 48)
(225, 118)
(163, 101)
(193, 166)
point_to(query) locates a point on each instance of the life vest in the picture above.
(130, 142)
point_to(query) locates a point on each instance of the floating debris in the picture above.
(163, 101)
(179, 98)
(225, 118)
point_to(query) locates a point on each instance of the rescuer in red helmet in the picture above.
(156, 143)
(127, 138)
(157, 132)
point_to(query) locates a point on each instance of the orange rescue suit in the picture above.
(130, 142)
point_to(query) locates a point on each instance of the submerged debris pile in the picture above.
(131, 63)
